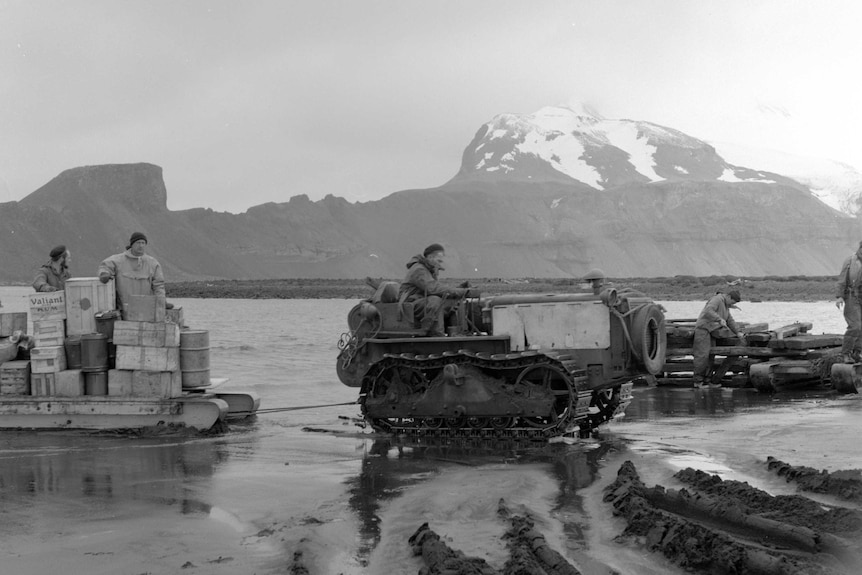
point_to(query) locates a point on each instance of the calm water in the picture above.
(272, 470)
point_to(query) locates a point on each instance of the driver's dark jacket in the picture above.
(421, 281)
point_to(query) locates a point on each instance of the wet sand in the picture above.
(270, 498)
(311, 492)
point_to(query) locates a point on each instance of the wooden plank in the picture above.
(739, 350)
(753, 327)
(807, 341)
(792, 329)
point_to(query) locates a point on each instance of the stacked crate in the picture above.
(15, 378)
(48, 357)
(56, 316)
(147, 351)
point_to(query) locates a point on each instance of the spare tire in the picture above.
(649, 337)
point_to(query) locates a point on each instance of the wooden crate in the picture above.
(148, 358)
(49, 332)
(70, 383)
(15, 378)
(147, 334)
(137, 383)
(84, 298)
(12, 322)
(149, 308)
(48, 305)
(47, 359)
(43, 384)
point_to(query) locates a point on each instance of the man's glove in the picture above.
(742, 338)
(839, 301)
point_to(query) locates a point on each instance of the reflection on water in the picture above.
(392, 465)
(78, 467)
(657, 402)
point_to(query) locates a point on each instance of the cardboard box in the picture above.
(43, 384)
(137, 383)
(147, 358)
(15, 378)
(147, 334)
(69, 383)
(50, 305)
(47, 359)
(148, 308)
(49, 332)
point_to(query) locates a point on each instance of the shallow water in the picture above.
(249, 500)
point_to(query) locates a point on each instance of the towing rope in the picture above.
(277, 409)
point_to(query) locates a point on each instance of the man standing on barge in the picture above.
(714, 321)
(134, 271)
(53, 275)
(848, 293)
(431, 299)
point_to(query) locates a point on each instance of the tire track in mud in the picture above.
(719, 526)
(529, 552)
(845, 484)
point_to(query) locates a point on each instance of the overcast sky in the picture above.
(247, 102)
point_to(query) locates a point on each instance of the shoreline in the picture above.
(682, 288)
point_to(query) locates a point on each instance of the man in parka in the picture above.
(134, 272)
(430, 298)
(52, 276)
(714, 321)
(848, 295)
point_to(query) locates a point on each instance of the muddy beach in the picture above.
(691, 481)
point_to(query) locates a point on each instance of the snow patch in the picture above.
(641, 154)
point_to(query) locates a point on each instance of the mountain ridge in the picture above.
(652, 201)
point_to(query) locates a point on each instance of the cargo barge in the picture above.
(76, 362)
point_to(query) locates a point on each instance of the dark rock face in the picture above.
(550, 195)
(137, 187)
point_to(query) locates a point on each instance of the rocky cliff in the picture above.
(545, 195)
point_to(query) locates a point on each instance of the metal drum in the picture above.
(94, 352)
(73, 352)
(195, 358)
(96, 383)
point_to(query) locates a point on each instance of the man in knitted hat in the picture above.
(431, 299)
(52, 275)
(713, 322)
(134, 271)
(849, 295)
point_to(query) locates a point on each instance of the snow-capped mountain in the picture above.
(577, 145)
(836, 184)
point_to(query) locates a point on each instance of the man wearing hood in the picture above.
(713, 320)
(134, 272)
(422, 288)
(52, 276)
